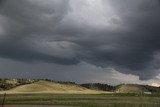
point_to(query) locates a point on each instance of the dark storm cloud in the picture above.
(142, 41)
(13, 52)
(24, 20)
(124, 35)
(1, 1)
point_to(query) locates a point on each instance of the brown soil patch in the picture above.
(34, 106)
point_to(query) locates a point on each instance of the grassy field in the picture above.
(85, 100)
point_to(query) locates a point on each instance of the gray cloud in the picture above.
(26, 21)
(121, 34)
(1, 1)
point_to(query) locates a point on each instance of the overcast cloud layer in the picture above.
(120, 34)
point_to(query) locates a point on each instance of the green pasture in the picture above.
(85, 100)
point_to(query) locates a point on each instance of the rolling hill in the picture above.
(50, 87)
(130, 88)
(135, 88)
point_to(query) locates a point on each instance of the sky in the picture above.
(106, 41)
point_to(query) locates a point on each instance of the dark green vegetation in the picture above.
(85, 100)
(99, 86)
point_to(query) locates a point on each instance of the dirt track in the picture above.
(34, 106)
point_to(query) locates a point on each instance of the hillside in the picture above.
(134, 88)
(99, 86)
(50, 87)
(7, 84)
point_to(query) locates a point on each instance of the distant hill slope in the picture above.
(7, 84)
(129, 88)
(99, 86)
(134, 88)
(50, 87)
